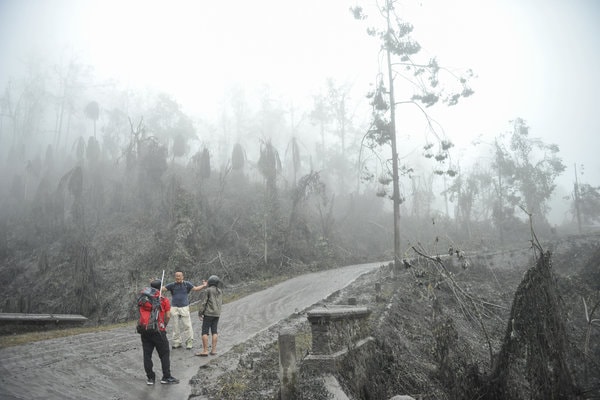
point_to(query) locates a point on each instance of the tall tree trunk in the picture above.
(395, 177)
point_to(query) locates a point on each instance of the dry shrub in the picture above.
(535, 343)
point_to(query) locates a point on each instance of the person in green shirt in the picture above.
(209, 314)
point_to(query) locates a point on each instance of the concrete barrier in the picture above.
(288, 368)
(22, 322)
(336, 330)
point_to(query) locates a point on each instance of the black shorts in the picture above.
(210, 323)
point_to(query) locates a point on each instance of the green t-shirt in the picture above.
(214, 301)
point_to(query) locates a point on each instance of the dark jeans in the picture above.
(158, 341)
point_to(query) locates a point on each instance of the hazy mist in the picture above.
(535, 60)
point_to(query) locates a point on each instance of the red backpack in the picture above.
(149, 308)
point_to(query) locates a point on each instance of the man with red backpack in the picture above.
(154, 313)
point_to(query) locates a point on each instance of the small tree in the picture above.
(528, 167)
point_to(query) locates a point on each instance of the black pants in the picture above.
(158, 341)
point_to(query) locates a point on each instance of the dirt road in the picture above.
(108, 365)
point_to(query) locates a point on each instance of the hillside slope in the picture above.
(429, 344)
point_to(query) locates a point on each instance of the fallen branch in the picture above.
(456, 289)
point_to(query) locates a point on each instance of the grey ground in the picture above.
(108, 365)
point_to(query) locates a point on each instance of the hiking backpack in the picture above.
(149, 308)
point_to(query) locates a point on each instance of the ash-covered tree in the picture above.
(182, 213)
(473, 193)
(403, 65)
(152, 166)
(115, 131)
(78, 243)
(585, 205)
(23, 106)
(529, 168)
(308, 186)
(269, 165)
(238, 157)
(332, 113)
(145, 163)
(169, 124)
(293, 149)
(588, 199)
(179, 148)
(93, 152)
(202, 160)
(238, 163)
(321, 116)
(72, 77)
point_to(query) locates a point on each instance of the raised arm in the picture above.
(200, 287)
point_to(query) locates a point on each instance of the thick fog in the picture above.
(226, 62)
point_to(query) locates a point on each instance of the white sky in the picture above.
(534, 59)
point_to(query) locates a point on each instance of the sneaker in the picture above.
(170, 380)
(189, 344)
(176, 346)
(150, 381)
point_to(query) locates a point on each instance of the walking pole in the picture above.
(161, 283)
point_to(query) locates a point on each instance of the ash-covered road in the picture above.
(108, 365)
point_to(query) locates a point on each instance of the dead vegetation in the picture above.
(508, 325)
(535, 345)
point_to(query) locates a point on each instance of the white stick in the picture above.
(161, 283)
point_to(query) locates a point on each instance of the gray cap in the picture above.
(213, 280)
